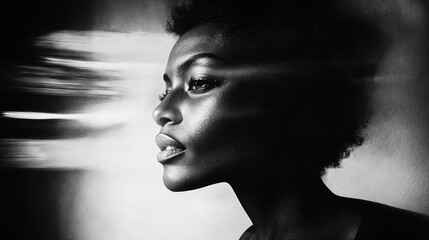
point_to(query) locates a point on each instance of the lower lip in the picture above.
(166, 155)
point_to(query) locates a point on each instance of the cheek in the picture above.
(198, 117)
(222, 127)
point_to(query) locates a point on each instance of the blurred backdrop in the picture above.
(78, 83)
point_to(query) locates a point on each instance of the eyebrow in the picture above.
(186, 64)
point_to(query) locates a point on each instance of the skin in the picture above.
(230, 115)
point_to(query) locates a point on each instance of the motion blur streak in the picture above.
(87, 106)
(95, 119)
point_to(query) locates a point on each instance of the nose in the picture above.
(167, 112)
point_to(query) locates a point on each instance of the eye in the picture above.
(202, 84)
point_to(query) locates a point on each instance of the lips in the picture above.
(170, 148)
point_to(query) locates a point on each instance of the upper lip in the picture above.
(163, 141)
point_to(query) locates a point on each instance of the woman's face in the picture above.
(219, 120)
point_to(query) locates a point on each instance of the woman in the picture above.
(265, 96)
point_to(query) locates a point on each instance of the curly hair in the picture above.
(319, 34)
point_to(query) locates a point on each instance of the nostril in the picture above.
(157, 115)
(162, 121)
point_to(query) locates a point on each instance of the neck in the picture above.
(292, 209)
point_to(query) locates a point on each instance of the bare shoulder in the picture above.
(386, 222)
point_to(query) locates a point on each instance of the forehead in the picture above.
(202, 39)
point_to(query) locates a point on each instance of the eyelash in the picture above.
(163, 95)
(209, 82)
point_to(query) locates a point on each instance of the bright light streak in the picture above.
(99, 65)
(42, 116)
(97, 119)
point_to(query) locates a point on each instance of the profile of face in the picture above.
(221, 120)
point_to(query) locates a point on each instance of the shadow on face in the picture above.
(239, 117)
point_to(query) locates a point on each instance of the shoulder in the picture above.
(384, 222)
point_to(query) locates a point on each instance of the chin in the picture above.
(176, 186)
(179, 180)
